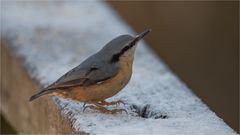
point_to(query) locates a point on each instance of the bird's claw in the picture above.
(89, 106)
(104, 110)
(118, 110)
(117, 103)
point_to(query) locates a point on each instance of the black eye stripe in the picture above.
(116, 56)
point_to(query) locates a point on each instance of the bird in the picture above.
(100, 76)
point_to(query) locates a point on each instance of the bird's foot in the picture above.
(117, 111)
(104, 110)
(104, 103)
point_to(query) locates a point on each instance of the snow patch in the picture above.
(52, 38)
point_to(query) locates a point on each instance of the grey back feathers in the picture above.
(98, 67)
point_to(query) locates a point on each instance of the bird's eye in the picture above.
(116, 56)
(125, 48)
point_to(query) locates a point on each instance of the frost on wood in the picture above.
(52, 38)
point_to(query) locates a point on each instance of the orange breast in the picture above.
(102, 90)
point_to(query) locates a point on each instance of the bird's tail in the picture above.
(39, 94)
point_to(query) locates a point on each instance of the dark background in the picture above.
(200, 42)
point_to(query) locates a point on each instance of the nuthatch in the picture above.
(100, 76)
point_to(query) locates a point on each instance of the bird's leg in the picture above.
(104, 103)
(95, 106)
(117, 110)
(102, 109)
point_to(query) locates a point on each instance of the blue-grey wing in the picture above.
(87, 73)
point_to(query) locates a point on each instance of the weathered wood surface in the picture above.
(16, 87)
(44, 40)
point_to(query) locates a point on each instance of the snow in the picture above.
(52, 38)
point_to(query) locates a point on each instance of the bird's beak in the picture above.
(141, 35)
(138, 37)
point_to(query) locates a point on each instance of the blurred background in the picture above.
(199, 41)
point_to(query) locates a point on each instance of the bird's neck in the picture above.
(126, 62)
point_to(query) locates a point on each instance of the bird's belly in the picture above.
(102, 90)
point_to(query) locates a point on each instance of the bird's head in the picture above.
(122, 47)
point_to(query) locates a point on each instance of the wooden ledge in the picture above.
(41, 41)
(42, 116)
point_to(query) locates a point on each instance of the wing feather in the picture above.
(85, 75)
